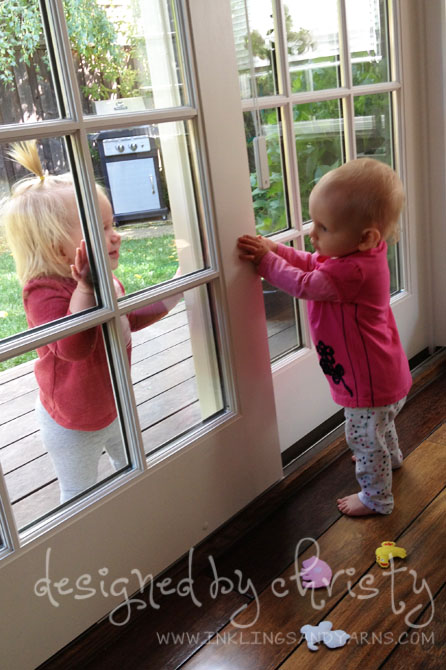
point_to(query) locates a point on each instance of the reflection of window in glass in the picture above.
(368, 40)
(313, 44)
(270, 205)
(373, 127)
(319, 132)
(253, 27)
(26, 86)
(177, 386)
(150, 176)
(40, 231)
(59, 431)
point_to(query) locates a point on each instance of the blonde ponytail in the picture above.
(27, 155)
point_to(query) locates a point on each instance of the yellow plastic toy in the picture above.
(387, 550)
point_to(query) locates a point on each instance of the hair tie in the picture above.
(42, 177)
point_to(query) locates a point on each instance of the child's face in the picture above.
(330, 235)
(112, 237)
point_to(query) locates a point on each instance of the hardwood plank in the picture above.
(349, 542)
(430, 651)
(393, 609)
(268, 547)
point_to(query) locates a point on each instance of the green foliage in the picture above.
(105, 64)
(20, 32)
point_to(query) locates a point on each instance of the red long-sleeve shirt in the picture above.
(72, 373)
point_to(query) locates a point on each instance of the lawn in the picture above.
(143, 262)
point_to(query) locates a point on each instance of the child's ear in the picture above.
(370, 238)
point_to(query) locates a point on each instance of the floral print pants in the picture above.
(371, 435)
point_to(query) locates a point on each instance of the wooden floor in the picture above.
(166, 394)
(394, 622)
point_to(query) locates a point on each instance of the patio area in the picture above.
(166, 395)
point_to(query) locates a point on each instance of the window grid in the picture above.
(75, 127)
(346, 93)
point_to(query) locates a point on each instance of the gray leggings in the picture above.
(76, 453)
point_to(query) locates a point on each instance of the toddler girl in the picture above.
(354, 209)
(76, 409)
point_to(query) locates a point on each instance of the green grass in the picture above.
(143, 262)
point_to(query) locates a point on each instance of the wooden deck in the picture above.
(166, 395)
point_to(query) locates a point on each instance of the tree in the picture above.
(105, 65)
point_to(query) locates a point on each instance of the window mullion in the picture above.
(27, 340)
(65, 71)
(83, 174)
(125, 397)
(346, 79)
(8, 524)
(281, 53)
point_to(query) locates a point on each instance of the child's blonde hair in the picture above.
(370, 194)
(36, 218)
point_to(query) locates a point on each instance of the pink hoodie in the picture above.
(351, 322)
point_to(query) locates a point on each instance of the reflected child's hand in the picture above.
(254, 248)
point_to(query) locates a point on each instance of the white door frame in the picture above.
(148, 518)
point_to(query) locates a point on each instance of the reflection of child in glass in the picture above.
(355, 209)
(76, 409)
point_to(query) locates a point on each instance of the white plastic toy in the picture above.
(323, 633)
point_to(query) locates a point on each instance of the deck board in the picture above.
(166, 395)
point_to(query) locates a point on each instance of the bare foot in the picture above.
(352, 506)
(354, 459)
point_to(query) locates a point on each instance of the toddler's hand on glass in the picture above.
(254, 248)
(80, 270)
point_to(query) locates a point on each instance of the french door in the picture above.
(196, 409)
(321, 83)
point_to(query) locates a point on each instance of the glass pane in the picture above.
(313, 44)
(26, 87)
(175, 371)
(37, 249)
(137, 60)
(368, 40)
(149, 175)
(270, 204)
(319, 131)
(393, 257)
(254, 38)
(282, 321)
(373, 127)
(57, 446)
